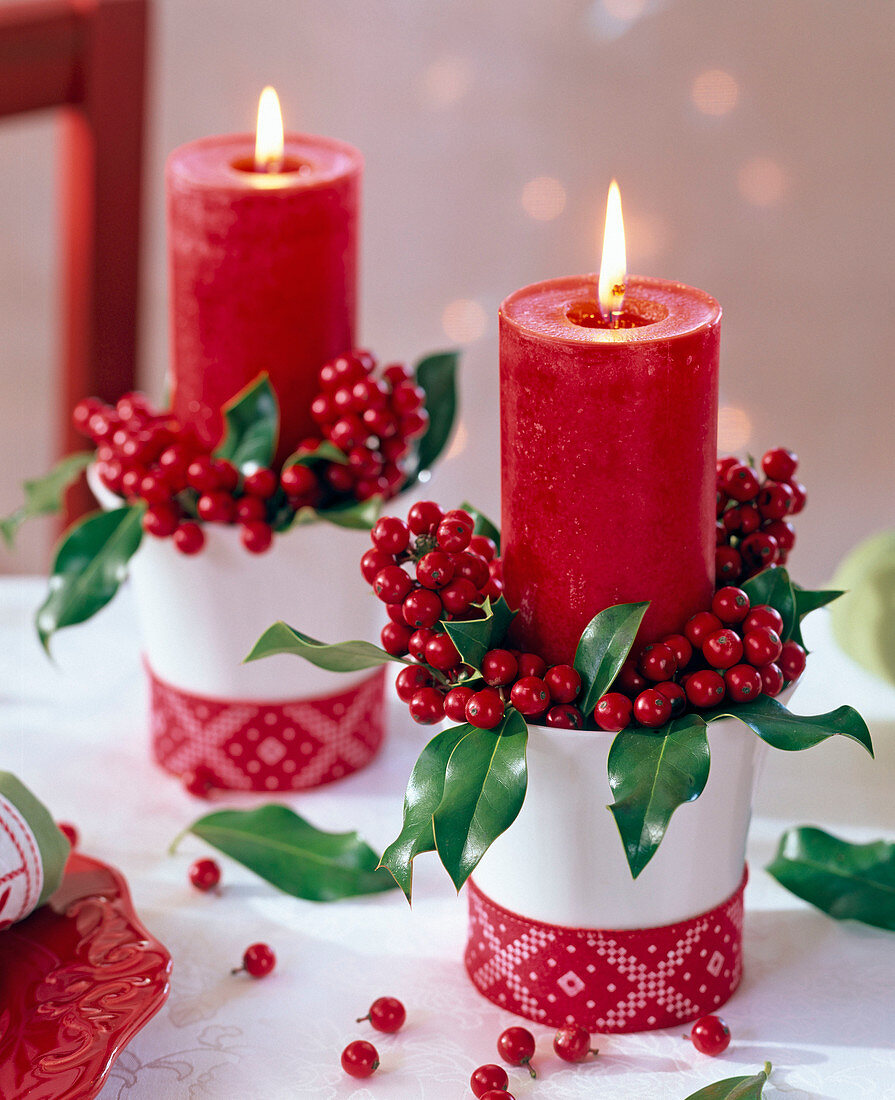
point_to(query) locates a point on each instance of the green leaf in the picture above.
(44, 496)
(846, 881)
(293, 855)
(483, 525)
(735, 1088)
(338, 657)
(603, 647)
(323, 452)
(772, 586)
(252, 420)
(474, 637)
(437, 376)
(356, 515)
(425, 789)
(90, 565)
(484, 788)
(806, 602)
(651, 774)
(790, 732)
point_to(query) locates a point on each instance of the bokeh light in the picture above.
(646, 237)
(543, 198)
(734, 428)
(625, 9)
(762, 181)
(714, 92)
(446, 81)
(464, 320)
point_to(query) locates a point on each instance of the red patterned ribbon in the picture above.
(256, 746)
(602, 979)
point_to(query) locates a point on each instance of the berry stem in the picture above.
(527, 1063)
(361, 1019)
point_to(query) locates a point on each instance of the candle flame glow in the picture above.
(613, 266)
(269, 133)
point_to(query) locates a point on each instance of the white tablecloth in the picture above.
(817, 1000)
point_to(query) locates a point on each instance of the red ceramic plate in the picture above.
(78, 979)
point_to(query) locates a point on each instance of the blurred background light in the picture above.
(543, 198)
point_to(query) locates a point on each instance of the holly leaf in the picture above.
(603, 647)
(651, 774)
(337, 657)
(252, 425)
(323, 452)
(44, 496)
(845, 881)
(356, 515)
(474, 637)
(772, 586)
(422, 798)
(806, 602)
(90, 565)
(484, 787)
(436, 374)
(790, 732)
(735, 1088)
(293, 855)
(482, 525)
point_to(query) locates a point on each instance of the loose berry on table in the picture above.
(204, 874)
(516, 1046)
(572, 1043)
(258, 961)
(710, 1035)
(487, 1077)
(386, 1014)
(360, 1059)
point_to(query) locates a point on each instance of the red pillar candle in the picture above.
(263, 270)
(608, 441)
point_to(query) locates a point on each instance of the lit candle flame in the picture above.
(613, 266)
(269, 133)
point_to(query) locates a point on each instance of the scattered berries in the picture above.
(360, 1059)
(710, 1035)
(386, 1014)
(257, 961)
(572, 1043)
(516, 1046)
(204, 874)
(486, 1078)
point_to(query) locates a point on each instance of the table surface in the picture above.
(817, 998)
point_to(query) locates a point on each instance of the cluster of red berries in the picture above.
(372, 417)
(516, 1046)
(753, 530)
(732, 652)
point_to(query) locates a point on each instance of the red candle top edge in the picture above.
(540, 311)
(209, 163)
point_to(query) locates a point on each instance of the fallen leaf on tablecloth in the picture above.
(735, 1088)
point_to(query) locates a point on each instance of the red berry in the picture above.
(701, 626)
(409, 681)
(323, 409)
(783, 532)
(484, 709)
(435, 569)
(427, 706)
(261, 483)
(516, 1045)
(530, 664)
(69, 831)
(728, 564)
(360, 1059)
(216, 507)
(201, 476)
(613, 712)
(775, 501)
(731, 605)
(800, 497)
(441, 653)
(391, 535)
(422, 608)
(764, 616)
(530, 696)
(393, 585)
(155, 489)
(161, 520)
(386, 1014)
(499, 667)
(771, 680)
(250, 510)
(710, 1035)
(675, 695)
(470, 567)
(395, 638)
(705, 688)
(226, 474)
(723, 649)
(204, 874)
(566, 717)
(740, 482)
(413, 424)
(779, 464)
(453, 535)
(298, 481)
(483, 546)
(762, 646)
(424, 517)
(258, 960)
(395, 374)
(723, 464)
(488, 1077)
(458, 596)
(256, 536)
(792, 661)
(657, 662)
(455, 703)
(347, 432)
(563, 683)
(407, 398)
(199, 781)
(395, 612)
(497, 1094)
(83, 411)
(419, 639)
(743, 683)
(373, 562)
(572, 1043)
(629, 679)
(760, 550)
(338, 477)
(652, 708)
(681, 649)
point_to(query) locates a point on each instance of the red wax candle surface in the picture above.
(608, 442)
(263, 270)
